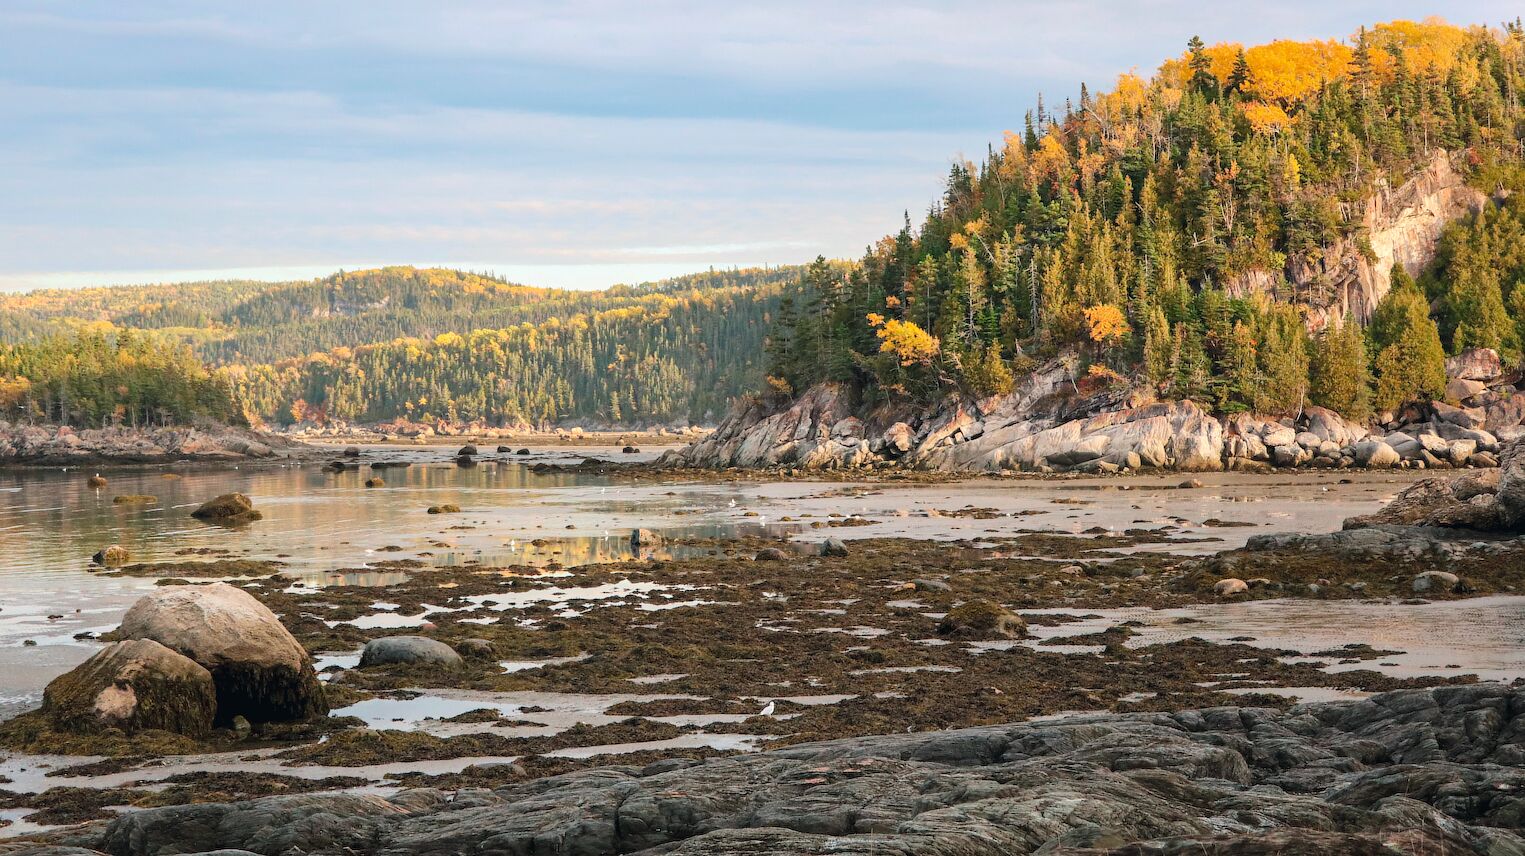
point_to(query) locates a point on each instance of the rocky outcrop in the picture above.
(1485, 501)
(37, 444)
(260, 670)
(1414, 771)
(1048, 424)
(132, 686)
(1399, 225)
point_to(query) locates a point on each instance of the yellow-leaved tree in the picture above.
(908, 342)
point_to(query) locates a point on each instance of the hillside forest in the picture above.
(1117, 223)
(378, 345)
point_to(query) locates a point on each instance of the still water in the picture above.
(328, 528)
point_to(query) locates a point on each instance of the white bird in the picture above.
(733, 503)
(767, 709)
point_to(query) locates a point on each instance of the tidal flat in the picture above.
(727, 629)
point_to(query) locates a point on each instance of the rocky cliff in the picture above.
(1398, 225)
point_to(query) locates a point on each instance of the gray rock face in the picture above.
(408, 650)
(1414, 771)
(261, 672)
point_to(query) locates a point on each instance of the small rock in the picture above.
(921, 584)
(467, 451)
(351, 451)
(228, 508)
(834, 547)
(770, 554)
(446, 508)
(1189, 484)
(1435, 581)
(114, 556)
(645, 538)
(134, 499)
(982, 619)
(1230, 587)
(477, 649)
(96, 481)
(375, 481)
(242, 728)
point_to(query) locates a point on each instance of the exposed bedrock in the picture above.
(1046, 425)
(1414, 771)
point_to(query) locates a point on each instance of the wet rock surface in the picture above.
(228, 508)
(1417, 771)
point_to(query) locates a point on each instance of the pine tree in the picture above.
(1339, 375)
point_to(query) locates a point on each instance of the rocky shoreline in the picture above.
(1050, 423)
(920, 698)
(1412, 771)
(47, 445)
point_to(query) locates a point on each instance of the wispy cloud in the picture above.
(556, 138)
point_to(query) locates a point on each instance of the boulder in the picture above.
(351, 451)
(114, 556)
(96, 480)
(1464, 417)
(1376, 454)
(260, 671)
(228, 508)
(897, 438)
(445, 508)
(477, 649)
(375, 481)
(645, 538)
(982, 619)
(834, 547)
(1459, 389)
(1230, 587)
(467, 451)
(770, 554)
(134, 499)
(409, 651)
(1475, 364)
(1436, 581)
(134, 686)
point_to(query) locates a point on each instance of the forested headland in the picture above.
(1181, 232)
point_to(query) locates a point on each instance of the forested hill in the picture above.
(1211, 232)
(427, 344)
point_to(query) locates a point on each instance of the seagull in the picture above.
(733, 503)
(767, 709)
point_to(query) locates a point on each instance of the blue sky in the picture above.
(575, 143)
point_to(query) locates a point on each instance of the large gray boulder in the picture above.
(133, 686)
(408, 650)
(260, 670)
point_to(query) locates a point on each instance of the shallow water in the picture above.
(328, 528)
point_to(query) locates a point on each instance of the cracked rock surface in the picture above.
(1414, 771)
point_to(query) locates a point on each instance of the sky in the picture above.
(576, 143)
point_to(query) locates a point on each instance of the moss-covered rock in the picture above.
(228, 508)
(982, 619)
(133, 686)
(261, 672)
(114, 556)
